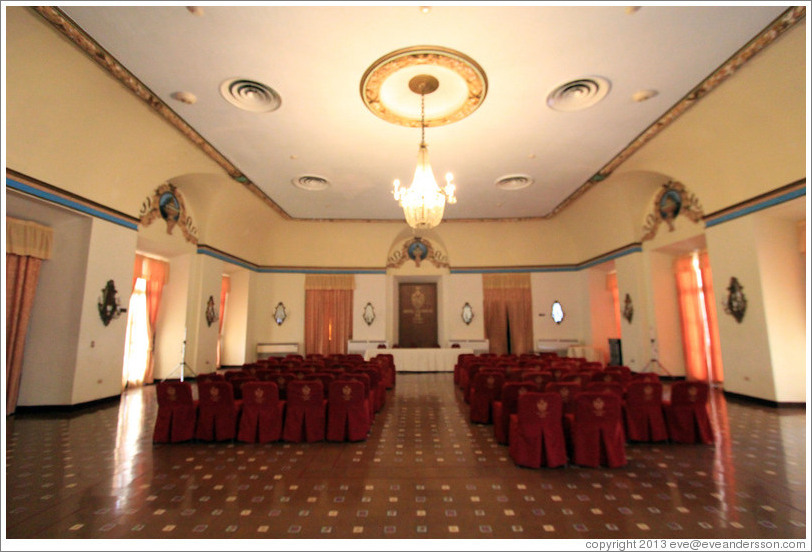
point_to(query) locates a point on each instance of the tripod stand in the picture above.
(655, 362)
(182, 365)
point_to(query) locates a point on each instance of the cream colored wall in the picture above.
(100, 350)
(631, 279)
(53, 332)
(571, 290)
(782, 270)
(171, 322)
(369, 288)
(205, 281)
(266, 291)
(233, 351)
(461, 289)
(72, 125)
(666, 316)
(746, 137)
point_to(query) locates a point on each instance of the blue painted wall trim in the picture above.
(53, 198)
(744, 211)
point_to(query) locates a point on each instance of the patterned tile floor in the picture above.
(424, 472)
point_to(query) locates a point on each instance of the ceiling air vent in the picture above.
(578, 94)
(514, 182)
(311, 183)
(250, 95)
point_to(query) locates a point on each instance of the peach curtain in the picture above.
(27, 245)
(508, 313)
(225, 289)
(328, 313)
(611, 285)
(156, 273)
(717, 370)
(690, 308)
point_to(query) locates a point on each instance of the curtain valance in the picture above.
(29, 239)
(329, 281)
(506, 281)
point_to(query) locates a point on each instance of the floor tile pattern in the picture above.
(424, 472)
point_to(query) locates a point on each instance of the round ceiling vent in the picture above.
(250, 95)
(578, 94)
(311, 183)
(514, 182)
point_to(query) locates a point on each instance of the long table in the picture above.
(421, 360)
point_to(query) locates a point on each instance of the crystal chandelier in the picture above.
(424, 201)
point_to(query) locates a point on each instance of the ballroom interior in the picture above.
(93, 153)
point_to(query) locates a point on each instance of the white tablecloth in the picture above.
(421, 360)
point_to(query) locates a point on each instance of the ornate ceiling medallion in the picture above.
(462, 86)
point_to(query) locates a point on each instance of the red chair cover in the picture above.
(305, 412)
(567, 390)
(506, 405)
(177, 412)
(282, 379)
(540, 377)
(596, 431)
(237, 383)
(218, 411)
(262, 413)
(355, 374)
(486, 388)
(643, 412)
(387, 363)
(210, 376)
(377, 388)
(536, 431)
(686, 414)
(348, 417)
(607, 386)
(609, 376)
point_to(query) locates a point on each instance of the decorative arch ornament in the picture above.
(417, 249)
(167, 203)
(672, 200)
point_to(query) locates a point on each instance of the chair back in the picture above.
(282, 379)
(540, 377)
(211, 376)
(489, 383)
(644, 393)
(568, 390)
(215, 393)
(609, 376)
(345, 392)
(580, 379)
(174, 393)
(689, 393)
(304, 392)
(599, 408)
(512, 390)
(259, 394)
(536, 408)
(605, 386)
(324, 377)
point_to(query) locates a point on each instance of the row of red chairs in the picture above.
(335, 363)
(311, 412)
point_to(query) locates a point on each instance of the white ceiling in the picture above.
(314, 58)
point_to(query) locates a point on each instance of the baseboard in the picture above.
(66, 410)
(763, 402)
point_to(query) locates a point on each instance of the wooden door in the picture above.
(417, 312)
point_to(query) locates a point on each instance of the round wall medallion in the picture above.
(462, 86)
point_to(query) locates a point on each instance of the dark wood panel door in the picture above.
(417, 311)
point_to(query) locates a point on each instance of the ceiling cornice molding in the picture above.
(102, 57)
(72, 32)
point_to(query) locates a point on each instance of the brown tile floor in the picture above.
(424, 472)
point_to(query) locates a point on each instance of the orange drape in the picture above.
(22, 274)
(156, 273)
(717, 371)
(328, 312)
(508, 310)
(328, 320)
(690, 308)
(27, 245)
(225, 288)
(611, 285)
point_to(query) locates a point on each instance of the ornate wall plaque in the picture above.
(417, 249)
(167, 202)
(672, 200)
(369, 314)
(736, 303)
(280, 313)
(467, 313)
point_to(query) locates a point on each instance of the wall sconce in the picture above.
(736, 303)
(557, 312)
(211, 314)
(628, 309)
(109, 303)
(280, 314)
(467, 313)
(369, 314)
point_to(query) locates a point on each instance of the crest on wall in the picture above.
(417, 249)
(211, 312)
(671, 201)
(628, 309)
(167, 203)
(736, 303)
